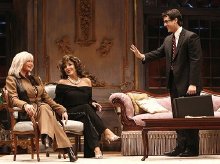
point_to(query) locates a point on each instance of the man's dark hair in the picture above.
(172, 14)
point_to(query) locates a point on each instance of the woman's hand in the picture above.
(97, 106)
(29, 109)
(65, 117)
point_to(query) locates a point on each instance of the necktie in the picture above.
(173, 51)
(173, 47)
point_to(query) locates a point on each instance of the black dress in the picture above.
(77, 101)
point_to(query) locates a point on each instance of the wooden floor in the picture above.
(112, 158)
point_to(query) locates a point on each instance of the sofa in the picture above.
(136, 105)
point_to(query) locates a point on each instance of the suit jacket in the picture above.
(187, 61)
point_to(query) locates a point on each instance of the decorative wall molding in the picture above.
(85, 22)
(127, 85)
(96, 82)
(105, 46)
(64, 45)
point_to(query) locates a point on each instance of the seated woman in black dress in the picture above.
(74, 92)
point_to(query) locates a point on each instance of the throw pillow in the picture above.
(134, 97)
(151, 106)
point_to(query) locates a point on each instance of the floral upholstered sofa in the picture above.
(137, 105)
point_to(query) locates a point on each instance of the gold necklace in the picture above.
(75, 82)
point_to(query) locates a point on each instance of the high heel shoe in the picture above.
(98, 155)
(47, 142)
(71, 155)
(111, 138)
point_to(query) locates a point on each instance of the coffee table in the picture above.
(201, 123)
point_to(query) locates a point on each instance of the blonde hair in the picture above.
(18, 62)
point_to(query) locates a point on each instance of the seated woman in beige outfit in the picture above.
(27, 92)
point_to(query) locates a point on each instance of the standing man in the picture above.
(183, 53)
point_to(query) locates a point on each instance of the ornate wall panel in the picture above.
(85, 22)
(98, 32)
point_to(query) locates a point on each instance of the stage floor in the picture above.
(112, 158)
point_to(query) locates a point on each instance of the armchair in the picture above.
(72, 128)
(28, 130)
(22, 129)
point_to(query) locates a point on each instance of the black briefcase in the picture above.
(193, 106)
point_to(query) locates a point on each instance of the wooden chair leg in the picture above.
(77, 138)
(15, 146)
(59, 155)
(79, 143)
(47, 154)
(37, 148)
(32, 148)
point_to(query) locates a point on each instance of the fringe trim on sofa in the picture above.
(161, 141)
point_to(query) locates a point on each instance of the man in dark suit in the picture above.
(183, 53)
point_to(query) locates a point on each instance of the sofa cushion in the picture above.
(165, 102)
(216, 102)
(134, 98)
(150, 105)
(217, 114)
(138, 118)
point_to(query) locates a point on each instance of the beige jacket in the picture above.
(42, 95)
(44, 113)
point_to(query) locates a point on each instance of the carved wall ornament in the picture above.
(85, 22)
(105, 46)
(95, 81)
(64, 45)
(127, 85)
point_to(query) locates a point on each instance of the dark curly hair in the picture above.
(172, 14)
(77, 63)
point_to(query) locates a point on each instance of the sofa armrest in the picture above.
(124, 102)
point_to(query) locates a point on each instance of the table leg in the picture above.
(145, 143)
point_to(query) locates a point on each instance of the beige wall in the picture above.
(51, 20)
